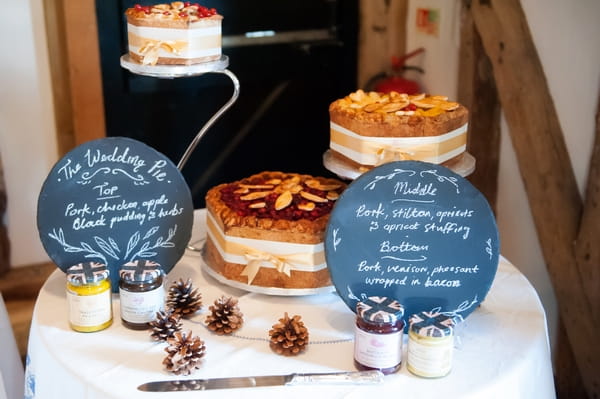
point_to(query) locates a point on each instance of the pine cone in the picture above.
(225, 316)
(165, 325)
(185, 352)
(183, 298)
(289, 337)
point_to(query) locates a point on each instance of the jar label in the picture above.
(430, 359)
(89, 310)
(378, 350)
(141, 307)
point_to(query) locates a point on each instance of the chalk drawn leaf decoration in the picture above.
(86, 177)
(146, 250)
(150, 232)
(488, 248)
(424, 173)
(133, 241)
(371, 185)
(441, 179)
(336, 239)
(91, 253)
(109, 247)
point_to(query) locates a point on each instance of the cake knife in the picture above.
(350, 377)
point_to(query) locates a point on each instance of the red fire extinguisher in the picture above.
(396, 82)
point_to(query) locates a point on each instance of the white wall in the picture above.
(27, 130)
(566, 36)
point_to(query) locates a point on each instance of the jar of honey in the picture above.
(89, 297)
(378, 335)
(141, 293)
(430, 344)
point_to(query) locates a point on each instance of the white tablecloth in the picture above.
(502, 348)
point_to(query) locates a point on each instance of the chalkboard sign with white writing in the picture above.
(415, 232)
(114, 200)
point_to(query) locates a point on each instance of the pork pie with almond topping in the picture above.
(268, 229)
(368, 129)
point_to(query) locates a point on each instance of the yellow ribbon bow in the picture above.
(282, 263)
(149, 50)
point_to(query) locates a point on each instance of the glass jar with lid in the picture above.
(378, 334)
(141, 293)
(430, 344)
(89, 297)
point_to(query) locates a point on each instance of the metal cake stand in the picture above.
(180, 71)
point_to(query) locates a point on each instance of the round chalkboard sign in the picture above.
(416, 232)
(114, 200)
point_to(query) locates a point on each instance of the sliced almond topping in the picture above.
(373, 95)
(440, 98)
(312, 183)
(312, 197)
(243, 190)
(357, 96)
(283, 200)
(307, 206)
(255, 195)
(417, 96)
(424, 103)
(405, 113)
(393, 107)
(372, 107)
(317, 185)
(296, 189)
(332, 195)
(257, 186)
(257, 205)
(329, 187)
(449, 106)
(273, 181)
(397, 97)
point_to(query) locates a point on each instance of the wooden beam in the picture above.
(545, 168)
(85, 78)
(59, 69)
(587, 249)
(477, 91)
(382, 34)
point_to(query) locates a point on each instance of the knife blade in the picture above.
(349, 377)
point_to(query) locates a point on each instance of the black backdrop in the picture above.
(279, 122)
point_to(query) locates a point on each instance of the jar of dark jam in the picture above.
(378, 335)
(141, 293)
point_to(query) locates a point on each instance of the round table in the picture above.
(501, 349)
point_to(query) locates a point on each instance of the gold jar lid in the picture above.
(87, 273)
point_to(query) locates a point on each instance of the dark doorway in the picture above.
(305, 59)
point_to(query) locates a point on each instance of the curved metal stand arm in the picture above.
(213, 119)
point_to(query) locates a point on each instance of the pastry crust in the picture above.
(273, 207)
(266, 277)
(301, 231)
(395, 114)
(380, 124)
(141, 19)
(175, 33)
(372, 128)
